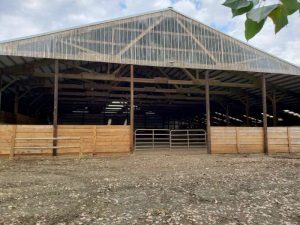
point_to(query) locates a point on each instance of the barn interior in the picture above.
(165, 97)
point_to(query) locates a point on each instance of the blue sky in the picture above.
(28, 17)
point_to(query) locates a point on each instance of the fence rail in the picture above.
(33, 145)
(95, 139)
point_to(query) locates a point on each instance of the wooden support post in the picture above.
(237, 130)
(13, 142)
(16, 102)
(247, 110)
(207, 104)
(265, 118)
(274, 108)
(227, 115)
(131, 107)
(94, 139)
(289, 139)
(1, 91)
(55, 107)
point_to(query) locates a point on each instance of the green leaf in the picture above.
(261, 13)
(252, 28)
(237, 4)
(291, 6)
(279, 17)
(230, 3)
(240, 11)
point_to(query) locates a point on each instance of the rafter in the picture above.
(197, 41)
(140, 36)
(155, 80)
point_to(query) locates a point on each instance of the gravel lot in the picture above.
(151, 188)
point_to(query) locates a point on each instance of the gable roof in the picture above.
(163, 38)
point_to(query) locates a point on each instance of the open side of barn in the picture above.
(160, 80)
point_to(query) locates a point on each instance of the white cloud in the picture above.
(21, 18)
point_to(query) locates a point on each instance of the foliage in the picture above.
(257, 13)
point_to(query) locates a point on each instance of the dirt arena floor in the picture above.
(151, 188)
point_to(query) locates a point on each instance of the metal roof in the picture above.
(162, 38)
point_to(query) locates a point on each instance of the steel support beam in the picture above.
(265, 118)
(207, 104)
(131, 107)
(55, 107)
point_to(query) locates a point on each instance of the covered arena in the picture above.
(159, 80)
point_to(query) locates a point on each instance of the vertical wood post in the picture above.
(288, 132)
(131, 107)
(274, 107)
(247, 110)
(16, 102)
(237, 130)
(94, 139)
(265, 119)
(13, 142)
(207, 104)
(1, 92)
(227, 115)
(55, 107)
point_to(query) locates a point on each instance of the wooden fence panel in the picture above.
(278, 140)
(113, 139)
(223, 140)
(93, 139)
(5, 139)
(33, 131)
(84, 132)
(294, 139)
(251, 140)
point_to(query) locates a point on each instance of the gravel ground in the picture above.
(151, 188)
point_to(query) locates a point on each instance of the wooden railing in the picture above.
(33, 146)
(94, 139)
(250, 139)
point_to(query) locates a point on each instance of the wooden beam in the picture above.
(166, 75)
(127, 89)
(140, 96)
(247, 110)
(1, 77)
(274, 108)
(197, 41)
(147, 101)
(16, 101)
(155, 80)
(131, 107)
(55, 107)
(140, 36)
(207, 107)
(189, 74)
(227, 115)
(265, 119)
(9, 84)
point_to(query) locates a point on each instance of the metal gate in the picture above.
(187, 139)
(158, 139)
(164, 139)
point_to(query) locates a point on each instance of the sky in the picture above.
(19, 18)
